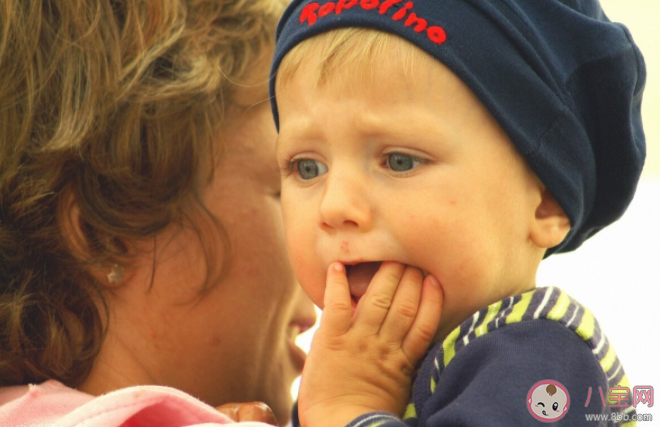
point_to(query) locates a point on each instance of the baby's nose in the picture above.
(345, 203)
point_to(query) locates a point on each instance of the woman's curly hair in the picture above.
(112, 103)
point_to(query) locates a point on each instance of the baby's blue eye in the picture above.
(310, 169)
(399, 162)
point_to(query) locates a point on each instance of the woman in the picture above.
(140, 228)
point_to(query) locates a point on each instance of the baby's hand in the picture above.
(364, 363)
(251, 411)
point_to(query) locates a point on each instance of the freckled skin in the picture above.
(232, 344)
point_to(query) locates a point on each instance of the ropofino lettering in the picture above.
(313, 11)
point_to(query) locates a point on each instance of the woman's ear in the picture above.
(71, 223)
(550, 225)
(70, 219)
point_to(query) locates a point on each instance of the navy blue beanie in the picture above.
(563, 81)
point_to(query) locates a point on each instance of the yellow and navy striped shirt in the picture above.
(481, 373)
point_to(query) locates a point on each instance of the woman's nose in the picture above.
(345, 203)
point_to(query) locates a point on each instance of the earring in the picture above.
(116, 274)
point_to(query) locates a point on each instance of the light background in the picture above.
(617, 272)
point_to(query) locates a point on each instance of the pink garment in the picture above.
(55, 405)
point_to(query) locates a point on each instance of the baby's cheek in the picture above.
(308, 273)
(302, 249)
(314, 287)
(296, 243)
(316, 294)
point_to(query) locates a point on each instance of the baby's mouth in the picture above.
(359, 277)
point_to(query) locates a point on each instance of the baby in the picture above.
(433, 152)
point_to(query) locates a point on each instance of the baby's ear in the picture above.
(551, 225)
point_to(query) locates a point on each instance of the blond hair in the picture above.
(343, 52)
(113, 103)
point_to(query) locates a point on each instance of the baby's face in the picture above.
(413, 170)
(548, 406)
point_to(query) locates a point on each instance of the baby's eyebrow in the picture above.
(282, 141)
(294, 134)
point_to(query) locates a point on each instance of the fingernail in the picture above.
(338, 267)
(433, 280)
